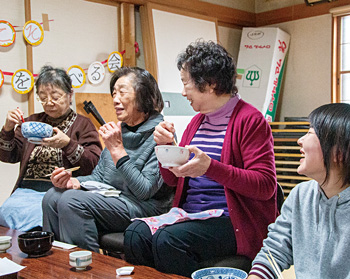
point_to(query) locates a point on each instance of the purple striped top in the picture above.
(205, 193)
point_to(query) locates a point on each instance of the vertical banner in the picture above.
(260, 67)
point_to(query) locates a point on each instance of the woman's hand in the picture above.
(197, 166)
(63, 179)
(111, 134)
(164, 133)
(59, 140)
(13, 117)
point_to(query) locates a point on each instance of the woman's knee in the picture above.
(70, 201)
(136, 231)
(163, 240)
(51, 198)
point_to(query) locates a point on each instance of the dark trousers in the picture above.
(180, 248)
(77, 216)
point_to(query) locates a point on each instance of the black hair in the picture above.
(148, 97)
(54, 77)
(208, 63)
(331, 123)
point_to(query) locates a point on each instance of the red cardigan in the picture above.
(247, 172)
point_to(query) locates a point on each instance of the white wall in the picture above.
(81, 32)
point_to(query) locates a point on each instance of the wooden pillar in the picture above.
(29, 54)
(148, 38)
(127, 33)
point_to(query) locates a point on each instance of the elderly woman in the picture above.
(312, 232)
(229, 183)
(75, 143)
(128, 164)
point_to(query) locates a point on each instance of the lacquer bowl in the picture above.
(35, 244)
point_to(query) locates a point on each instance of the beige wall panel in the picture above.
(230, 38)
(246, 5)
(307, 79)
(268, 5)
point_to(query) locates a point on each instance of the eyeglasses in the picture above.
(46, 100)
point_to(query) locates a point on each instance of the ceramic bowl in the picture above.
(172, 156)
(219, 273)
(35, 244)
(80, 259)
(36, 131)
(5, 243)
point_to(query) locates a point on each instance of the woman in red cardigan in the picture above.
(230, 174)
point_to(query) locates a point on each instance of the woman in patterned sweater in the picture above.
(75, 143)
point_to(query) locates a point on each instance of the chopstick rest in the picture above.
(125, 270)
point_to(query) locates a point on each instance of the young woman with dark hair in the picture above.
(312, 232)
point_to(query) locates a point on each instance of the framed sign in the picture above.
(96, 72)
(115, 61)
(1, 78)
(77, 76)
(7, 33)
(33, 33)
(22, 81)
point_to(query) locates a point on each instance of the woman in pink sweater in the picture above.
(231, 170)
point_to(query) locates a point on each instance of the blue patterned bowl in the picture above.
(36, 131)
(219, 273)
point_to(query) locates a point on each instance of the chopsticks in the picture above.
(274, 265)
(174, 141)
(71, 169)
(21, 116)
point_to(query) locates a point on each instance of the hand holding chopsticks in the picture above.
(274, 265)
(71, 169)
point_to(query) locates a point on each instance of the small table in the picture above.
(56, 264)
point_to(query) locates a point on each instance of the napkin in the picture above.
(63, 245)
(8, 267)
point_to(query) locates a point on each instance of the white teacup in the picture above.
(5, 243)
(80, 259)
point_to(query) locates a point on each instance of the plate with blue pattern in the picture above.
(219, 273)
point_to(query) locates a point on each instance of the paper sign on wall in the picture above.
(1, 78)
(7, 33)
(260, 67)
(96, 72)
(22, 81)
(114, 61)
(77, 75)
(33, 33)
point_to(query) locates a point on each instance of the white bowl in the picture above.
(172, 156)
(36, 131)
(5, 243)
(219, 273)
(80, 259)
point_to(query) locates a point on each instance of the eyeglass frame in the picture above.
(50, 99)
